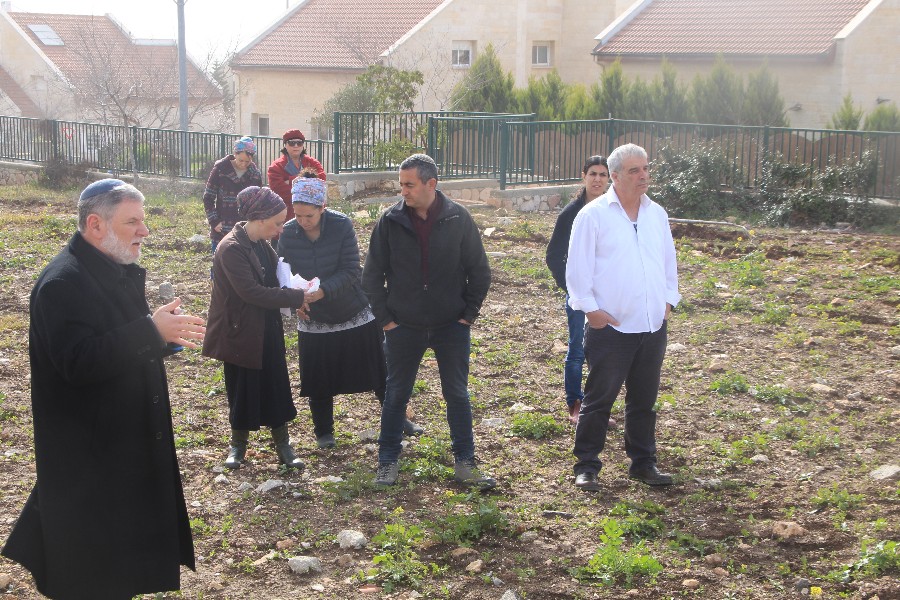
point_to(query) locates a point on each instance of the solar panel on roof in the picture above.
(46, 34)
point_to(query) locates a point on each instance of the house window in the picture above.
(259, 124)
(541, 54)
(46, 34)
(462, 52)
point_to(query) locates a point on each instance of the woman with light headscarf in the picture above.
(227, 178)
(244, 327)
(340, 344)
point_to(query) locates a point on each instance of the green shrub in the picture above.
(730, 383)
(882, 558)
(470, 516)
(536, 427)
(612, 565)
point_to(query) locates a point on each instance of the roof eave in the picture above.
(297, 68)
(609, 57)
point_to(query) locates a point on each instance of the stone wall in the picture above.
(382, 186)
(19, 173)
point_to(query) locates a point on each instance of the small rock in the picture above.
(370, 448)
(493, 422)
(166, 292)
(720, 572)
(5, 580)
(557, 513)
(345, 561)
(691, 584)
(529, 536)
(633, 593)
(559, 347)
(268, 486)
(328, 479)
(895, 350)
(675, 348)
(198, 239)
(823, 389)
(717, 366)
(196, 504)
(317, 587)
(245, 487)
(284, 544)
(302, 565)
(759, 458)
(885, 472)
(505, 221)
(509, 595)
(714, 560)
(221, 479)
(261, 561)
(475, 566)
(369, 589)
(709, 484)
(215, 586)
(462, 554)
(489, 231)
(787, 530)
(802, 584)
(520, 407)
(369, 435)
(351, 539)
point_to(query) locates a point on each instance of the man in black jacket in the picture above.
(426, 276)
(107, 517)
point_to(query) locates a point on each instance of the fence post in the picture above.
(612, 136)
(504, 152)
(134, 149)
(54, 140)
(222, 146)
(337, 142)
(429, 141)
(765, 156)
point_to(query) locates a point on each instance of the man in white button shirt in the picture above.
(622, 274)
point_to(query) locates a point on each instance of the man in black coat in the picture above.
(106, 518)
(426, 276)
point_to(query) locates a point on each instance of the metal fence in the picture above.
(119, 150)
(511, 148)
(553, 152)
(367, 141)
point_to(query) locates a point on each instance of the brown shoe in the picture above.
(573, 412)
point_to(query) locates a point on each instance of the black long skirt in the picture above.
(342, 362)
(258, 397)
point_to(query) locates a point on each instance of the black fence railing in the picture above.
(514, 149)
(117, 149)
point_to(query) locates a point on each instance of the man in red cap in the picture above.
(285, 168)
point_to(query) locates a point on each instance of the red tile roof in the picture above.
(788, 28)
(334, 34)
(92, 44)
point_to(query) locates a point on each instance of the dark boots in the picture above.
(286, 455)
(238, 449)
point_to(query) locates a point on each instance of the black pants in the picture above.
(322, 409)
(614, 358)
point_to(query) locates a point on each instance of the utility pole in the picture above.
(183, 93)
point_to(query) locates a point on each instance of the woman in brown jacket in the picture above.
(244, 326)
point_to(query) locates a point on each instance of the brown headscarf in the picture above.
(258, 203)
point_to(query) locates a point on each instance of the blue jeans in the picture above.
(572, 374)
(404, 348)
(614, 358)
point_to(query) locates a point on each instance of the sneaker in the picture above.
(325, 441)
(410, 429)
(387, 473)
(468, 473)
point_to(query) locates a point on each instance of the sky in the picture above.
(211, 26)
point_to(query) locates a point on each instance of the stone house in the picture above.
(819, 50)
(89, 68)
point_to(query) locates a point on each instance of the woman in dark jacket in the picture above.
(340, 343)
(595, 175)
(245, 330)
(227, 178)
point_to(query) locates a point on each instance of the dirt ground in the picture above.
(778, 401)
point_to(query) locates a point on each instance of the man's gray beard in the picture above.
(117, 250)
